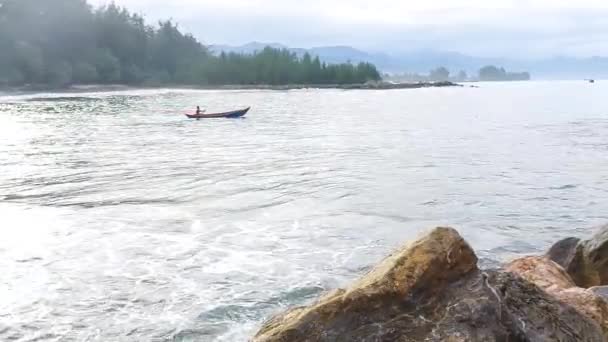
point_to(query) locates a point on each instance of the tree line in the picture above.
(63, 42)
(486, 73)
(493, 73)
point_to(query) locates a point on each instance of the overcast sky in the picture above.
(499, 28)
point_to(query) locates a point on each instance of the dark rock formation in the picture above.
(552, 278)
(564, 251)
(585, 261)
(432, 290)
(596, 253)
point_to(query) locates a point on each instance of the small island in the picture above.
(488, 73)
(492, 73)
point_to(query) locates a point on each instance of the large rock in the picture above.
(552, 278)
(596, 253)
(432, 290)
(585, 261)
(565, 251)
(541, 271)
(534, 315)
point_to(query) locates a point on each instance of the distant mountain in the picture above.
(249, 48)
(329, 54)
(422, 61)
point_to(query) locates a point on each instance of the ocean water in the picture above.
(121, 220)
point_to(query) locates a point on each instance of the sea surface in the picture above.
(122, 220)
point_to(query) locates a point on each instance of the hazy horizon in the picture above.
(518, 29)
(405, 52)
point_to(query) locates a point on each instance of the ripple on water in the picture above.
(124, 221)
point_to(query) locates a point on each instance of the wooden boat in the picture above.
(232, 114)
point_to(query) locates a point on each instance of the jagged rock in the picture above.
(570, 255)
(552, 278)
(601, 291)
(585, 261)
(541, 271)
(587, 302)
(596, 252)
(432, 290)
(564, 251)
(534, 315)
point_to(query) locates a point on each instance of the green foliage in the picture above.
(157, 78)
(108, 66)
(493, 73)
(29, 61)
(439, 74)
(132, 74)
(62, 42)
(462, 76)
(84, 73)
(11, 77)
(59, 74)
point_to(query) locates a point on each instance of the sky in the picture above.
(489, 28)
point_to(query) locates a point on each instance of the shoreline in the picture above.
(121, 87)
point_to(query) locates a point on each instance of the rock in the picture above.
(596, 253)
(432, 290)
(564, 251)
(570, 254)
(601, 291)
(534, 315)
(585, 261)
(552, 278)
(541, 271)
(426, 265)
(587, 302)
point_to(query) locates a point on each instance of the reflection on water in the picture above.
(123, 220)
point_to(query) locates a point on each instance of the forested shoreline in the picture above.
(58, 43)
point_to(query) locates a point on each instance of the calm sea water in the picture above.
(121, 220)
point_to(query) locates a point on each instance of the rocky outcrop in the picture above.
(595, 251)
(432, 290)
(552, 278)
(585, 261)
(541, 271)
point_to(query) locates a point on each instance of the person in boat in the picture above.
(199, 111)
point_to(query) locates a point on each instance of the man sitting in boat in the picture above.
(199, 111)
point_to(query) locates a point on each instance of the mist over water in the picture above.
(124, 221)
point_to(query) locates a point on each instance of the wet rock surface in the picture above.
(553, 279)
(432, 290)
(585, 261)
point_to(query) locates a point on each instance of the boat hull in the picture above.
(233, 114)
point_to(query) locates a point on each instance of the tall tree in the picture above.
(439, 74)
(61, 42)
